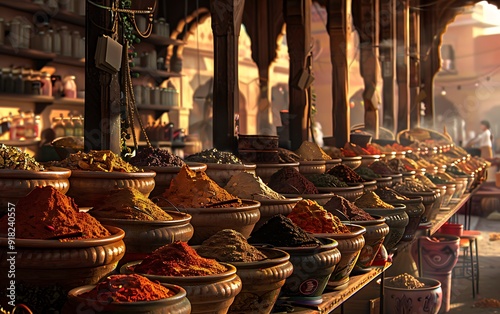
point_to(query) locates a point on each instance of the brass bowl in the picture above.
(209, 221)
(68, 264)
(207, 294)
(221, 173)
(396, 218)
(350, 245)
(262, 282)
(88, 188)
(16, 184)
(143, 237)
(320, 198)
(330, 163)
(384, 182)
(367, 160)
(312, 268)
(164, 176)
(270, 208)
(265, 171)
(178, 303)
(351, 193)
(352, 162)
(312, 167)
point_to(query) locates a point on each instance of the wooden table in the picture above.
(334, 299)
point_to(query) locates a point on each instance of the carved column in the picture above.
(339, 29)
(415, 96)
(402, 64)
(264, 34)
(226, 24)
(366, 14)
(102, 97)
(297, 14)
(388, 60)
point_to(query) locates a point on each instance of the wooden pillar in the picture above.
(339, 29)
(366, 14)
(297, 14)
(388, 60)
(264, 35)
(402, 64)
(415, 96)
(102, 96)
(226, 24)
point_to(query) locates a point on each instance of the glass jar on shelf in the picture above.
(65, 41)
(69, 86)
(30, 131)
(18, 81)
(58, 126)
(69, 127)
(36, 83)
(45, 79)
(27, 81)
(7, 80)
(78, 126)
(57, 86)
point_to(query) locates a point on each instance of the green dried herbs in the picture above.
(326, 180)
(214, 156)
(367, 173)
(15, 159)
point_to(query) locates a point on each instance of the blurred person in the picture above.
(484, 141)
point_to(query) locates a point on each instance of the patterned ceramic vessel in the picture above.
(16, 184)
(376, 231)
(143, 237)
(209, 221)
(349, 245)
(429, 200)
(270, 208)
(207, 294)
(88, 188)
(68, 264)
(262, 282)
(178, 303)
(415, 209)
(426, 300)
(312, 167)
(397, 219)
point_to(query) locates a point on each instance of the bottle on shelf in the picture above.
(7, 80)
(78, 126)
(69, 127)
(146, 95)
(25, 36)
(58, 126)
(18, 130)
(18, 81)
(155, 95)
(75, 44)
(138, 94)
(15, 32)
(47, 41)
(65, 41)
(30, 128)
(57, 86)
(56, 41)
(2, 31)
(27, 81)
(46, 82)
(36, 83)
(69, 86)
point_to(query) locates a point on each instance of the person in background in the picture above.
(484, 141)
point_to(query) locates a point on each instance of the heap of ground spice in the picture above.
(248, 186)
(129, 203)
(193, 189)
(229, 246)
(156, 157)
(367, 173)
(397, 165)
(388, 194)
(326, 180)
(178, 259)
(311, 217)
(127, 288)
(405, 281)
(371, 200)
(349, 209)
(345, 174)
(311, 151)
(280, 231)
(47, 214)
(382, 168)
(411, 186)
(425, 180)
(288, 180)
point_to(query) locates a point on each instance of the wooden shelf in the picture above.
(41, 58)
(21, 143)
(57, 14)
(447, 212)
(42, 102)
(77, 62)
(332, 300)
(158, 75)
(158, 40)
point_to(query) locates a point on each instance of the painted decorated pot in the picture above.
(425, 300)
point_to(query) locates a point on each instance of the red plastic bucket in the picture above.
(452, 228)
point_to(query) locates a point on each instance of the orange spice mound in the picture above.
(191, 189)
(487, 303)
(47, 213)
(313, 218)
(178, 259)
(127, 288)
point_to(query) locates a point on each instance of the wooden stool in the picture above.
(468, 264)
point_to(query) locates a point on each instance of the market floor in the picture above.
(489, 272)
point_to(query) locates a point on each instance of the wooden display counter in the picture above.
(334, 299)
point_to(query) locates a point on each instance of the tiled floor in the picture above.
(489, 279)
